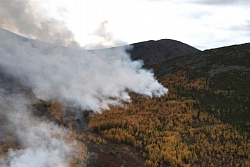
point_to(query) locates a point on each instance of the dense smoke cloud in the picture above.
(92, 80)
(43, 142)
(23, 17)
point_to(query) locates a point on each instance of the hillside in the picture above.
(203, 119)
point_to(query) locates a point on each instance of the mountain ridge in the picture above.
(153, 52)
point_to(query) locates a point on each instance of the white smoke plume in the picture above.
(90, 79)
(43, 142)
(93, 80)
(26, 18)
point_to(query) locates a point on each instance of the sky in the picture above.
(203, 24)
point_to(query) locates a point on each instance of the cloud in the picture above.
(210, 2)
(243, 27)
(199, 14)
(90, 79)
(25, 17)
(216, 2)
